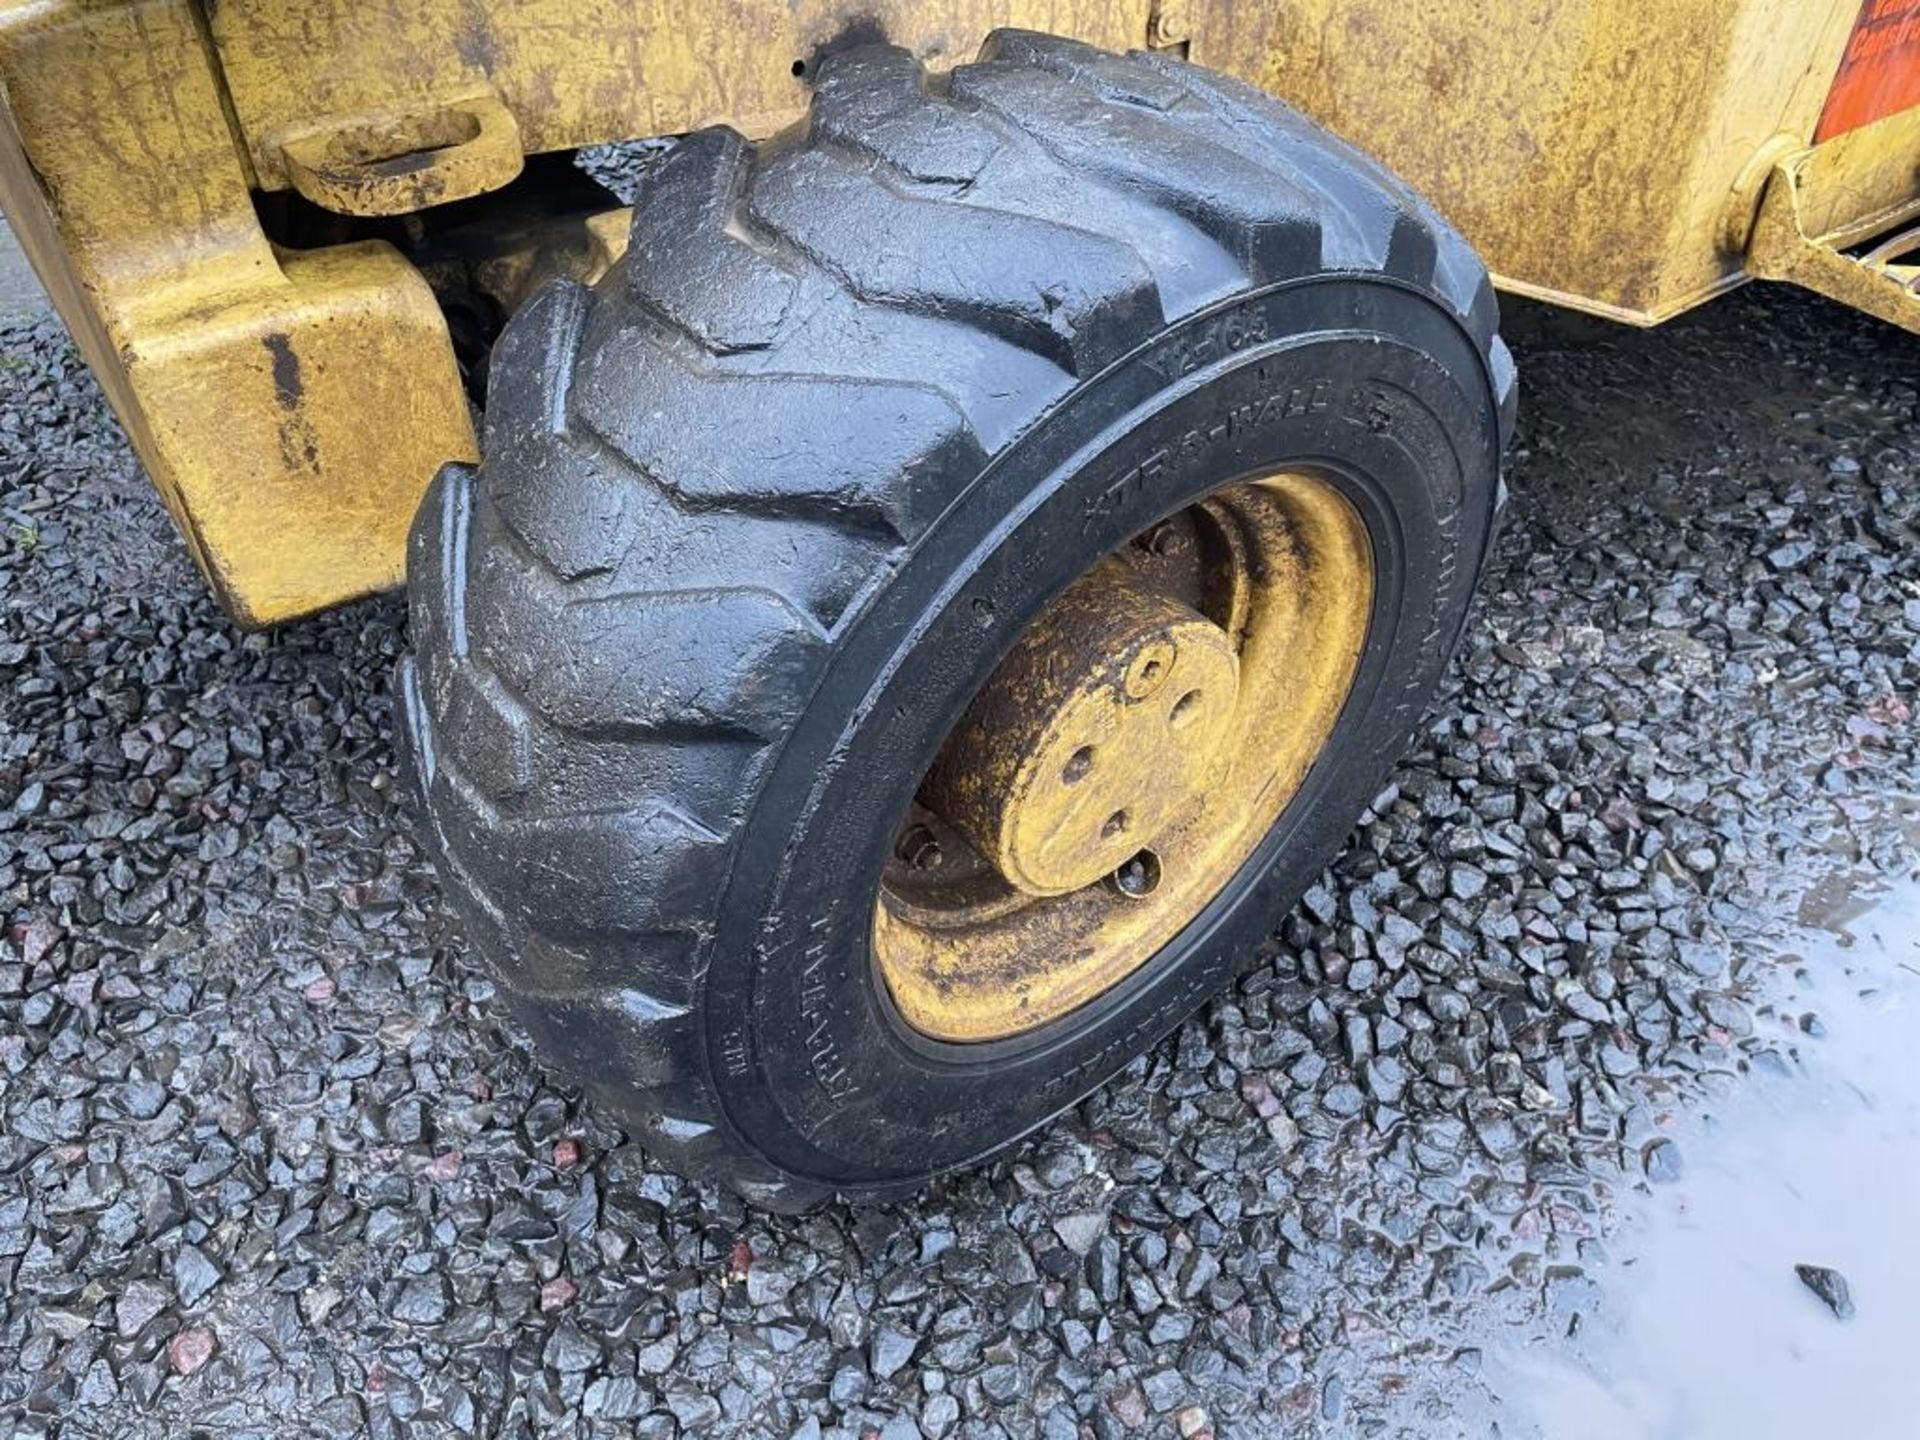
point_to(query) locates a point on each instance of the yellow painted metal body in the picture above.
(1590, 149)
(290, 408)
(1627, 157)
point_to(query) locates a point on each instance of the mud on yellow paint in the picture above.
(1614, 155)
(1839, 219)
(290, 408)
(1587, 148)
(1126, 760)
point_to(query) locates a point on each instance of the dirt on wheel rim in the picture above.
(1125, 760)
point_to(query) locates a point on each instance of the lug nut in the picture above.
(1138, 877)
(920, 849)
(1163, 539)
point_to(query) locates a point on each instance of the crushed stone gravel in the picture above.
(274, 1159)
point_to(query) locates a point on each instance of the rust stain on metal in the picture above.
(1103, 724)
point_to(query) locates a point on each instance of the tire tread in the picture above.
(564, 593)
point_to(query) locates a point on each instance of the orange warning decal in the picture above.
(1880, 73)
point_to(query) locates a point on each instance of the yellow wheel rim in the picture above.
(1125, 760)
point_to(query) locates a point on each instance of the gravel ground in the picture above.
(273, 1160)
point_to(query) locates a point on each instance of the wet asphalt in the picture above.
(274, 1160)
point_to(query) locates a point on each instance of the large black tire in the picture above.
(764, 507)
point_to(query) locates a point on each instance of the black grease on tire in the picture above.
(663, 703)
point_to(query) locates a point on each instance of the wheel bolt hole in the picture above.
(1077, 766)
(1116, 825)
(1147, 669)
(1139, 876)
(1185, 710)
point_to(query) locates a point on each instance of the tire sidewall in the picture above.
(1367, 383)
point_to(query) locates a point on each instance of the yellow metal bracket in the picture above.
(396, 164)
(1840, 219)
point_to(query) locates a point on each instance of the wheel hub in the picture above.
(1125, 759)
(1101, 728)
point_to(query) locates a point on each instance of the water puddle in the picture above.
(1705, 1331)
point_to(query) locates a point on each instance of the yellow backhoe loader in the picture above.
(900, 608)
